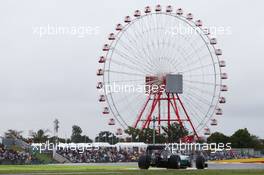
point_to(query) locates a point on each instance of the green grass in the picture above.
(114, 170)
(44, 158)
(57, 168)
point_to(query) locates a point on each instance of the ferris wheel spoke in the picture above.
(173, 41)
(151, 59)
(126, 57)
(169, 51)
(131, 60)
(199, 98)
(167, 37)
(154, 55)
(199, 82)
(130, 48)
(131, 67)
(174, 56)
(199, 67)
(194, 106)
(148, 49)
(200, 61)
(120, 100)
(144, 55)
(198, 108)
(202, 75)
(117, 105)
(133, 37)
(116, 113)
(189, 64)
(132, 80)
(157, 31)
(151, 40)
(196, 114)
(192, 113)
(186, 41)
(198, 105)
(128, 101)
(148, 57)
(194, 62)
(161, 36)
(137, 98)
(133, 53)
(200, 90)
(140, 101)
(146, 30)
(188, 56)
(125, 73)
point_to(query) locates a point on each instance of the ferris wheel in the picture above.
(169, 49)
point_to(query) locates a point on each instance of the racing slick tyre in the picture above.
(174, 162)
(200, 162)
(189, 164)
(144, 162)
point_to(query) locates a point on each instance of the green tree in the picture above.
(133, 133)
(147, 136)
(13, 134)
(86, 139)
(40, 136)
(175, 132)
(77, 136)
(218, 137)
(241, 139)
(257, 142)
(62, 140)
(106, 136)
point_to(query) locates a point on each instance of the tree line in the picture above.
(239, 139)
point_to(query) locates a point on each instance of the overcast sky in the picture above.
(53, 76)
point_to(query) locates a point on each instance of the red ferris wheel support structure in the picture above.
(174, 103)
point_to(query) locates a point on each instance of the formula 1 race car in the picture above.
(160, 156)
